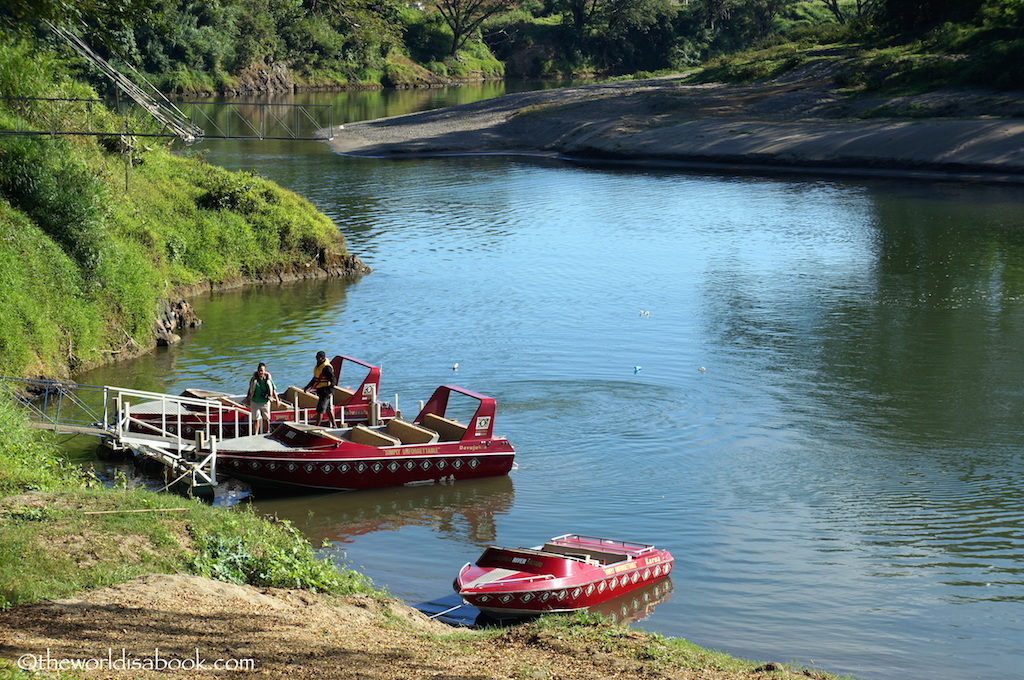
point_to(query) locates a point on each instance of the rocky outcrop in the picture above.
(264, 78)
(173, 316)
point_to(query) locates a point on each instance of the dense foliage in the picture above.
(94, 232)
(227, 45)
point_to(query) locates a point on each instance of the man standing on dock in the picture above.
(261, 393)
(323, 384)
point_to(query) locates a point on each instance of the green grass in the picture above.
(51, 546)
(86, 253)
(61, 534)
(29, 459)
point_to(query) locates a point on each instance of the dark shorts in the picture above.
(323, 404)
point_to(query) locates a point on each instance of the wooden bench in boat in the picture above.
(230, 402)
(600, 556)
(410, 433)
(195, 393)
(296, 397)
(311, 429)
(307, 400)
(361, 434)
(447, 429)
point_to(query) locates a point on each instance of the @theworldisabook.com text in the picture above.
(122, 660)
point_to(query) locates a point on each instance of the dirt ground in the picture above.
(798, 122)
(175, 626)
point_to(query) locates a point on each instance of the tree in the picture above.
(764, 13)
(862, 9)
(114, 15)
(717, 10)
(580, 13)
(463, 17)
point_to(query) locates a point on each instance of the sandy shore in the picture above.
(797, 125)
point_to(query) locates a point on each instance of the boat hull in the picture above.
(527, 582)
(326, 472)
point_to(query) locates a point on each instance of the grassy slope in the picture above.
(83, 264)
(85, 259)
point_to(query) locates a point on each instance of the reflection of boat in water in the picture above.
(624, 609)
(465, 511)
(637, 605)
(567, 573)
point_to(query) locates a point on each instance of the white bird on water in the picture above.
(644, 313)
(456, 366)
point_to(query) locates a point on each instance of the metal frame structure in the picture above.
(242, 120)
(106, 412)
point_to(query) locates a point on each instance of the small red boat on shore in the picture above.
(226, 415)
(432, 449)
(567, 573)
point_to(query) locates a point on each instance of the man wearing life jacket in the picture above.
(323, 385)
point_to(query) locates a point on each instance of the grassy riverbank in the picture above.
(99, 231)
(62, 532)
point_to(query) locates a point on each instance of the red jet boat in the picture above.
(567, 573)
(432, 449)
(225, 415)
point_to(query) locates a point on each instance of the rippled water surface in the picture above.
(821, 416)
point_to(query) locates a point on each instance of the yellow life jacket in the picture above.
(318, 376)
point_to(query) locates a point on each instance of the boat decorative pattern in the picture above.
(560, 595)
(345, 468)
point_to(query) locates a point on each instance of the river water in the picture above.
(821, 415)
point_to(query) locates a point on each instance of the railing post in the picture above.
(213, 461)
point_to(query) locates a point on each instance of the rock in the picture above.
(174, 316)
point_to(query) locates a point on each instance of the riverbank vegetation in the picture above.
(237, 46)
(97, 231)
(62, 532)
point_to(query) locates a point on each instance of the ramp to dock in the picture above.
(106, 412)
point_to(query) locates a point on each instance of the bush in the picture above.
(242, 548)
(29, 460)
(47, 182)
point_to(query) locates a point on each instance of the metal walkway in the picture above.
(209, 120)
(179, 433)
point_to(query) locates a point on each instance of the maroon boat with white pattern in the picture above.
(567, 573)
(432, 449)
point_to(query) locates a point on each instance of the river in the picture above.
(820, 416)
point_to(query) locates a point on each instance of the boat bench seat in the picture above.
(306, 428)
(361, 434)
(447, 429)
(294, 396)
(411, 433)
(600, 556)
(195, 393)
(230, 402)
(342, 395)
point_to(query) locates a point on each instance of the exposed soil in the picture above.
(126, 630)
